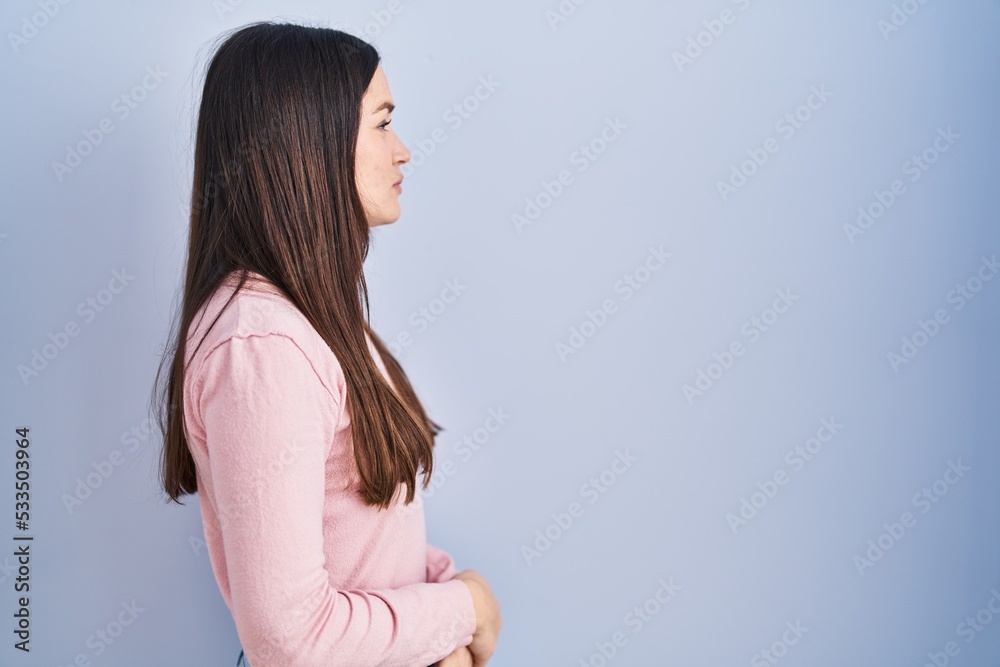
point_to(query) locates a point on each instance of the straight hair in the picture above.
(274, 192)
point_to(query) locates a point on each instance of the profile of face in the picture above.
(380, 154)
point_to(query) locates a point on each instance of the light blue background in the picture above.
(495, 346)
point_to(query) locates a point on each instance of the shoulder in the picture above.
(260, 314)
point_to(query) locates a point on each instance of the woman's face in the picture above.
(380, 154)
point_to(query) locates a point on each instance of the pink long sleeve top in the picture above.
(312, 576)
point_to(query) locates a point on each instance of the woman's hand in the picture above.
(488, 620)
(460, 657)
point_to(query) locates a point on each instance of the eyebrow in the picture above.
(385, 105)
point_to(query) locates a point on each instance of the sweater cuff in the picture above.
(466, 619)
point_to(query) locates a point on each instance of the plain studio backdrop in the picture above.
(705, 295)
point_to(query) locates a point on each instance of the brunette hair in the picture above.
(274, 193)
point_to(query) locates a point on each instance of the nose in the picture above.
(402, 153)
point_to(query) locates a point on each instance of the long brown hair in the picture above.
(274, 193)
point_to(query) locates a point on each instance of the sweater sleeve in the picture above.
(440, 565)
(269, 423)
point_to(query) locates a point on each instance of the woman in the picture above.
(282, 408)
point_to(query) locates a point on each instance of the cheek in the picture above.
(385, 162)
(366, 160)
(368, 178)
(374, 168)
(372, 176)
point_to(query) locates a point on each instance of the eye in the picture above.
(383, 125)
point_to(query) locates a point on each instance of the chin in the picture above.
(384, 215)
(383, 223)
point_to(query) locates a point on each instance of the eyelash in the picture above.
(382, 126)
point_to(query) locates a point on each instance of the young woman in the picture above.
(282, 408)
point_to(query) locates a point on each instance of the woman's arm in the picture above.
(440, 565)
(269, 423)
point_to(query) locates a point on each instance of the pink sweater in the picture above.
(312, 576)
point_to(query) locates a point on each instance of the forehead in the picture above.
(377, 92)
